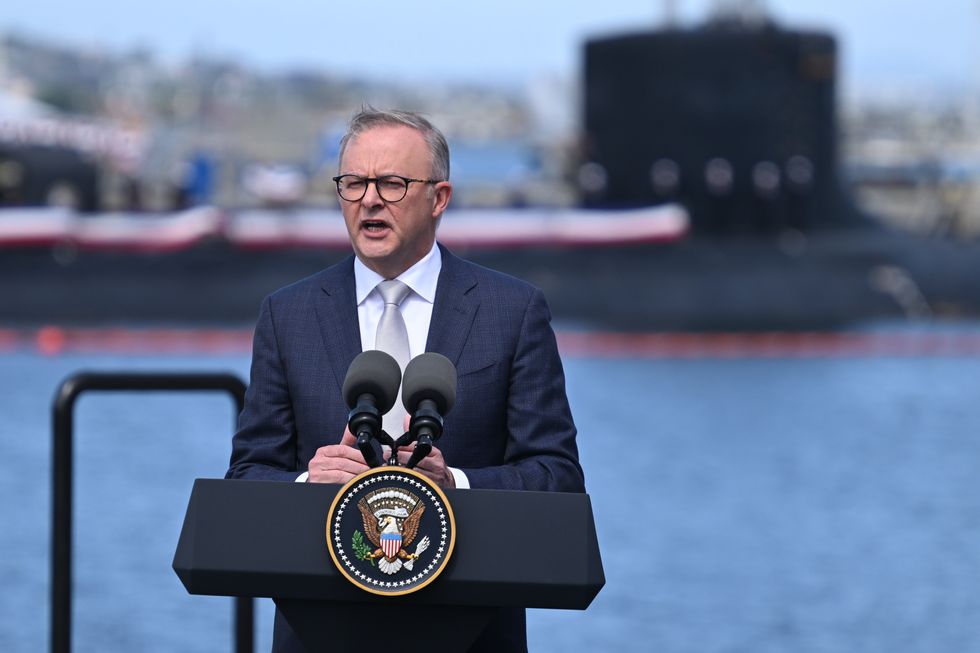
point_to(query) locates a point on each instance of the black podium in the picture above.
(268, 539)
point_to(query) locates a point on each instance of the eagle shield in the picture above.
(391, 543)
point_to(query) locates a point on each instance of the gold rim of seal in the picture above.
(388, 470)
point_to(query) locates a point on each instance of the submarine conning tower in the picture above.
(736, 121)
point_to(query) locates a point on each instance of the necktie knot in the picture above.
(393, 291)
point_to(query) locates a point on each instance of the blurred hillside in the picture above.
(253, 126)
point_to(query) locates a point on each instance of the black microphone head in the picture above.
(375, 373)
(429, 376)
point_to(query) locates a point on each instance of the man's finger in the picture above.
(339, 451)
(331, 476)
(337, 464)
(348, 438)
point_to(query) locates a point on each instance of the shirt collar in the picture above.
(422, 278)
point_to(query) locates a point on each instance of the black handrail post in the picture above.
(61, 525)
(62, 483)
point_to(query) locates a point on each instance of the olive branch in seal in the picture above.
(361, 550)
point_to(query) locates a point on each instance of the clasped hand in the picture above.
(339, 463)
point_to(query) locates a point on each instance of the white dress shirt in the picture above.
(422, 278)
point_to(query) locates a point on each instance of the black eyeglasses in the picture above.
(391, 188)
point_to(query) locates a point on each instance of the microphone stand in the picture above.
(365, 423)
(424, 429)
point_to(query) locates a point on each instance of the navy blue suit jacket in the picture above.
(511, 427)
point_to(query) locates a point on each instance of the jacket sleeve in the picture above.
(264, 446)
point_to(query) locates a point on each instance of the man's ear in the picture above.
(443, 193)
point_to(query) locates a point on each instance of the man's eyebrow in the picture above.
(380, 174)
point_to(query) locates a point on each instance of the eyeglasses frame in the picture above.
(369, 180)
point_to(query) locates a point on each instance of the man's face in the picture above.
(390, 237)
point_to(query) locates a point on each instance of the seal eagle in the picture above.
(391, 536)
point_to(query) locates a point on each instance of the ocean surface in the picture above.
(744, 502)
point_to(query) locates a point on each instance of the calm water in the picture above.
(742, 505)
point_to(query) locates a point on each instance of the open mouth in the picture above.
(374, 226)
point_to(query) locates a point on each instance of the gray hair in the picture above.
(369, 118)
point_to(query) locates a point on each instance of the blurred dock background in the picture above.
(722, 174)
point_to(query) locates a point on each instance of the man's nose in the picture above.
(371, 196)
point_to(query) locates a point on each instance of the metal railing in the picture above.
(61, 474)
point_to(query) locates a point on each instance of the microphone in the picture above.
(370, 390)
(428, 393)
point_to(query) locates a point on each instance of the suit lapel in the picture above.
(453, 312)
(336, 311)
(454, 308)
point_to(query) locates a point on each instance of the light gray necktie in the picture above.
(392, 338)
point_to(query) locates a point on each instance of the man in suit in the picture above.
(511, 427)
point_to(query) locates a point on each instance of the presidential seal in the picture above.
(390, 531)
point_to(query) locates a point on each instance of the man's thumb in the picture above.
(348, 438)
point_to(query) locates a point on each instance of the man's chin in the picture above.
(380, 259)
(375, 248)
